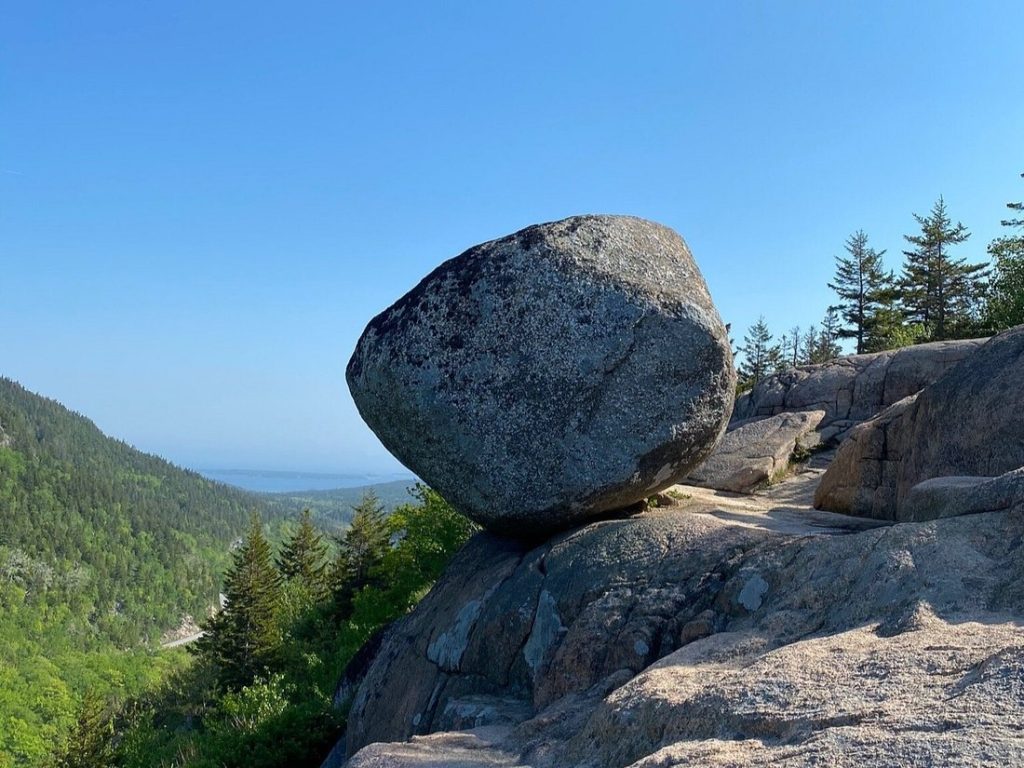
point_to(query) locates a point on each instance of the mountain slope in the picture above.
(102, 548)
(128, 536)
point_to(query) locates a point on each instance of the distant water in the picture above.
(269, 481)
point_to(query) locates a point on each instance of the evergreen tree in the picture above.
(863, 286)
(360, 552)
(243, 638)
(760, 357)
(809, 348)
(792, 350)
(938, 291)
(1005, 301)
(828, 338)
(90, 744)
(303, 558)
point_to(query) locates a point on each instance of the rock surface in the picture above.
(968, 423)
(852, 389)
(952, 496)
(693, 635)
(755, 451)
(862, 478)
(552, 376)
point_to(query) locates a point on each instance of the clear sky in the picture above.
(202, 204)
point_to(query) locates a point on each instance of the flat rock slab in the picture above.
(755, 451)
(553, 376)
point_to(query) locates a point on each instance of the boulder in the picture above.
(852, 389)
(968, 423)
(553, 376)
(756, 451)
(678, 638)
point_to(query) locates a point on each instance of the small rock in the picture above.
(703, 625)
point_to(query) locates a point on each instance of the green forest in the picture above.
(103, 549)
(937, 294)
(261, 689)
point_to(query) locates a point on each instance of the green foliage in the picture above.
(1005, 301)
(760, 356)
(864, 288)
(102, 549)
(241, 640)
(360, 552)
(285, 716)
(303, 558)
(940, 292)
(90, 744)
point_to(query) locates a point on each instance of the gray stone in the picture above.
(862, 478)
(752, 594)
(942, 497)
(852, 389)
(755, 451)
(552, 376)
(895, 645)
(968, 423)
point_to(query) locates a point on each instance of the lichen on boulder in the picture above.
(552, 376)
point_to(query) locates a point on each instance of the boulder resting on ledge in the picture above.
(553, 376)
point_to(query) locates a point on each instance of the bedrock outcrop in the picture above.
(682, 637)
(968, 423)
(757, 451)
(552, 376)
(852, 389)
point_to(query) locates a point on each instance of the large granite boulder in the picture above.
(552, 376)
(757, 451)
(968, 423)
(680, 638)
(852, 389)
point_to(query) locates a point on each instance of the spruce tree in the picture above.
(1005, 301)
(360, 552)
(938, 291)
(809, 347)
(91, 742)
(828, 338)
(863, 286)
(303, 558)
(760, 357)
(242, 640)
(791, 351)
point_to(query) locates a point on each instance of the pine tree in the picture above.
(243, 639)
(1005, 302)
(303, 558)
(360, 552)
(938, 291)
(862, 285)
(760, 357)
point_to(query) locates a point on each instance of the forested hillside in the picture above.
(128, 539)
(102, 549)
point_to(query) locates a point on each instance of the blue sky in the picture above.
(202, 204)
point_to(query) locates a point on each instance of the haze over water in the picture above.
(271, 481)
